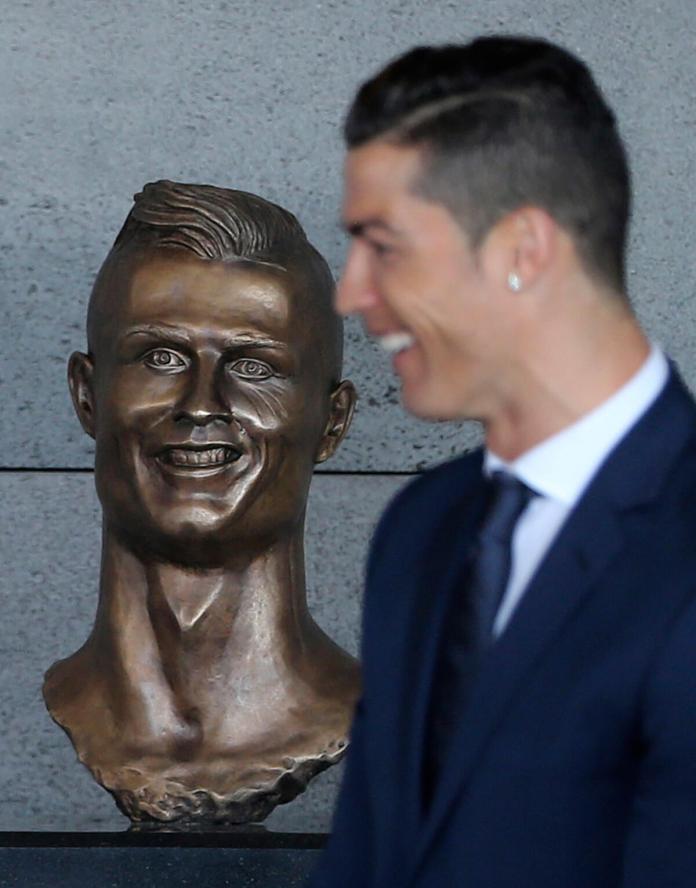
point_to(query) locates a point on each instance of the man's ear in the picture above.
(80, 370)
(343, 399)
(521, 247)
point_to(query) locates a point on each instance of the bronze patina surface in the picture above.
(206, 692)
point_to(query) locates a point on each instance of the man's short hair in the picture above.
(507, 122)
(227, 225)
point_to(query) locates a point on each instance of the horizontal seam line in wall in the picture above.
(85, 470)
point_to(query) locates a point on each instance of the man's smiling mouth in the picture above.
(394, 343)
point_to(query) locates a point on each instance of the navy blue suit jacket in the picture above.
(575, 760)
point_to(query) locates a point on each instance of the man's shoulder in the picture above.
(444, 482)
(427, 497)
(401, 544)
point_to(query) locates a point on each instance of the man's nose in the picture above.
(204, 401)
(356, 292)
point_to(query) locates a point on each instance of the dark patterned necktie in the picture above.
(471, 615)
(493, 559)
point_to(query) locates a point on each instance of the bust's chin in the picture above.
(184, 535)
(202, 532)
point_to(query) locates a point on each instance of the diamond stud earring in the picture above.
(514, 282)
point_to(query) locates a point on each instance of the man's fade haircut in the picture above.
(226, 225)
(507, 122)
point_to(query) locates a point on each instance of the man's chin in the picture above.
(425, 405)
(430, 401)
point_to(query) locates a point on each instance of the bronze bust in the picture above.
(206, 692)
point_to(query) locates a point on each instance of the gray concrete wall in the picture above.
(97, 98)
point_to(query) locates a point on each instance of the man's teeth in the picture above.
(213, 456)
(396, 342)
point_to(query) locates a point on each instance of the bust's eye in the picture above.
(250, 368)
(165, 359)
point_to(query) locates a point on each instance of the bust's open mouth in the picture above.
(198, 458)
(212, 455)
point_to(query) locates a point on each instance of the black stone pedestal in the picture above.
(155, 860)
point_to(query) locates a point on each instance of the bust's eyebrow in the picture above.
(173, 334)
(248, 340)
(158, 330)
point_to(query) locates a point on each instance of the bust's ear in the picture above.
(343, 399)
(80, 370)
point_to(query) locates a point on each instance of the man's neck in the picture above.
(568, 371)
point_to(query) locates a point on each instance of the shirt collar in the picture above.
(563, 465)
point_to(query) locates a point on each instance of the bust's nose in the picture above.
(203, 402)
(203, 417)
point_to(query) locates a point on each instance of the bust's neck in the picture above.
(177, 637)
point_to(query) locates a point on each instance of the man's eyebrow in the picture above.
(364, 226)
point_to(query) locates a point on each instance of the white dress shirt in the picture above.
(560, 468)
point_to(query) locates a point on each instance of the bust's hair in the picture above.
(214, 223)
(505, 122)
(225, 225)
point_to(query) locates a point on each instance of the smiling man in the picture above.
(528, 715)
(212, 387)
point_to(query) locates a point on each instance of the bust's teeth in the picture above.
(211, 457)
(396, 342)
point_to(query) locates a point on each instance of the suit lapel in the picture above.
(445, 555)
(591, 538)
(570, 569)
